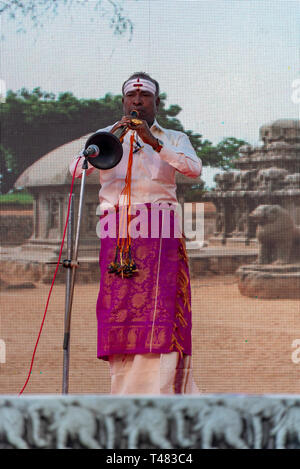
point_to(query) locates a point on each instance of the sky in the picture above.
(230, 64)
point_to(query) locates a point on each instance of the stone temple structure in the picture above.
(262, 197)
(49, 181)
(265, 174)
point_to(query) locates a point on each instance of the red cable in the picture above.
(57, 265)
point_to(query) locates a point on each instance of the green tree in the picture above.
(40, 11)
(222, 155)
(7, 169)
(34, 123)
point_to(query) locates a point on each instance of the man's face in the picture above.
(144, 102)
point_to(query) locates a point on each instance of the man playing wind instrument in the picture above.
(144, 301)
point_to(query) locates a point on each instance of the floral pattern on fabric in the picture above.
(151, 311)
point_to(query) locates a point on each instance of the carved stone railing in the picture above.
(107, 422)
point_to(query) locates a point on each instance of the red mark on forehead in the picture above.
(137, 84)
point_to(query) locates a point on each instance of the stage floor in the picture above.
(240, 344)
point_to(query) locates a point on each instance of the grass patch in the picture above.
(20, 197)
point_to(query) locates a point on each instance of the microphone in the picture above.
(92, 150)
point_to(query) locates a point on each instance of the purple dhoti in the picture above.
(151, 311)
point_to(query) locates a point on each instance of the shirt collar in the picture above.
(156, 126)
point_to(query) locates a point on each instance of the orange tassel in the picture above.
(127, 266)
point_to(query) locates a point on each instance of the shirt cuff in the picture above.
(185, 162)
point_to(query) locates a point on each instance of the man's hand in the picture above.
(141, 129)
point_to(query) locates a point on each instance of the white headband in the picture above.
(139, 83)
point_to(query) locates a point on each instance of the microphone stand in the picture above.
(98, 139)
(71, 264)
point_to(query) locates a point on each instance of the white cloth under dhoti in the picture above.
(152, 373)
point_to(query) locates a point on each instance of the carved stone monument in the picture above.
(265, 174)
(185, 423)
(277, 270)
(264, 191)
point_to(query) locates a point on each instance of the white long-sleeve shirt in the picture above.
(153, 174)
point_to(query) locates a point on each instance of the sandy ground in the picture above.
(16, 212)
(240, 345)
